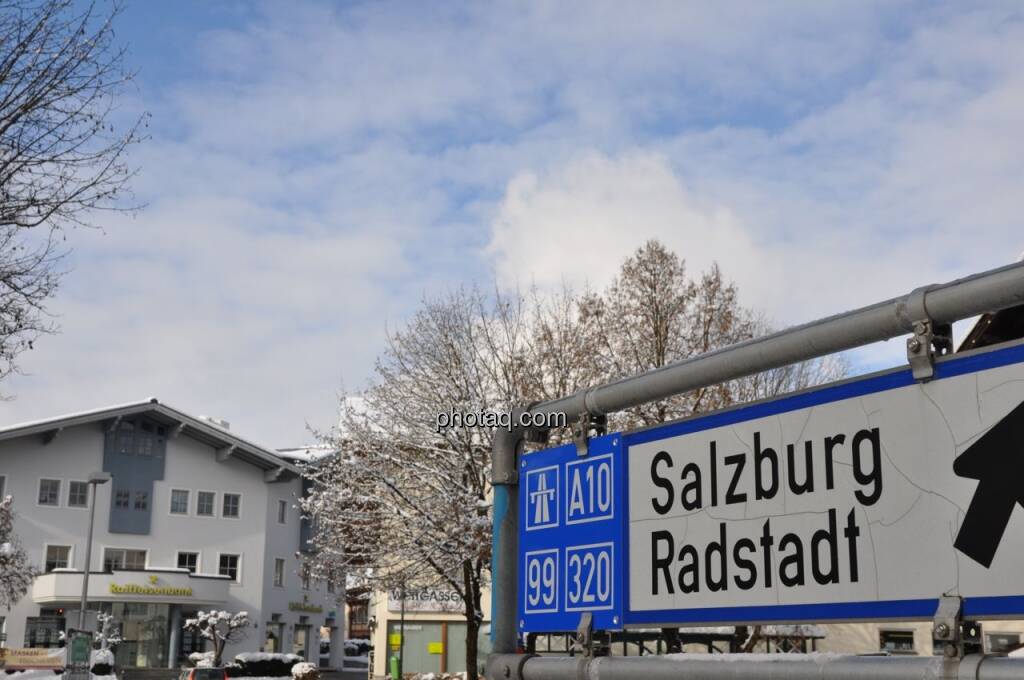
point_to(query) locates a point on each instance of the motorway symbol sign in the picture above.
(571, 537)
(862, 500)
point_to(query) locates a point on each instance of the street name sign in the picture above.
(867, 499)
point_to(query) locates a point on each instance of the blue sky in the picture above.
(316, 168)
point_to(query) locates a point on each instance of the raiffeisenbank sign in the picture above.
(153, 588)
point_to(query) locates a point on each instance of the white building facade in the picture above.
(194, 518)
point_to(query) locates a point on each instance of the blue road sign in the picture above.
(570, 537)
(867, 499)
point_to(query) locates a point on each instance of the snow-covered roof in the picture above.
(306, 454)
(181, 422)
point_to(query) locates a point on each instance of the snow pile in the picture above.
(305, 671)
(33, 674)
(264, 665)
(356, 647)
(201, 659)
(251, 657)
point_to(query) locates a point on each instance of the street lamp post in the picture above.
(95, 479)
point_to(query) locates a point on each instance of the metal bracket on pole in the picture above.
(929, 339)
(947, 626)
(582, 428)
(584, 642)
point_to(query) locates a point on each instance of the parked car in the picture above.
(205, 673)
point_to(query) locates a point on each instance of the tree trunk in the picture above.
(471, 583)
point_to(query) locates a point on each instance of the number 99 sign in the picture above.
(541, 582)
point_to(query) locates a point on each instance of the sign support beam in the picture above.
(736, 667)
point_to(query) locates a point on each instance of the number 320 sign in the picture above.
(570, 534)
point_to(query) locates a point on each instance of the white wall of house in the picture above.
(189, 465)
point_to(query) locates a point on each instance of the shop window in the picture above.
(1002, 643)
(179, 501)
(57, 557)
(897, 641)
(229, 566)
(78, 494)
(43, 631)
(49, 492)
(188, 560)
(120, 558)
(232, 505)
(205, 503)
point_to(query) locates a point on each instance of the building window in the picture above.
(188, 560)
(122, 498)
(179, 502)
(142, 500)
(49, 492)
(232, 504)
(330, 586)
(896, 641)
(305, 579)
(279, 572)
(3, 485)
(120, 558)
(229, 566)
(205, 503)
(57, 557)
(1002, 643)
(78, 494)
(282, 512)
(359, 613)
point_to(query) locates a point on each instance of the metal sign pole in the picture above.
(921, 313)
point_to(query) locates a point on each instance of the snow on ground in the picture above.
(250, 657)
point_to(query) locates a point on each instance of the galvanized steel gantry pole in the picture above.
(923, 313)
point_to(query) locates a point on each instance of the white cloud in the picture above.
(576, 224)
(317, 169)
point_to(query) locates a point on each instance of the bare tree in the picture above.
(654, 314)
(16, 570)
(220, 628)
(61, 156)
(405, 503)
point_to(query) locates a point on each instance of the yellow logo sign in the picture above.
(136, 589)
(153, 580)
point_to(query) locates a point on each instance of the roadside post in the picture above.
(883, 497)
(79, 650)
